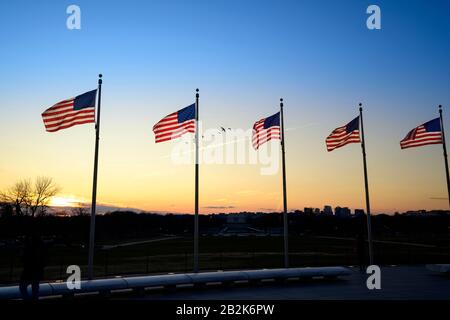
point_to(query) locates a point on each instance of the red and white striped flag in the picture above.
(428, 133)
(175, 124)
(266, 129)
(344, 135)
(70, 112)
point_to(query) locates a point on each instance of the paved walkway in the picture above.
(126, 244)
(401, 282)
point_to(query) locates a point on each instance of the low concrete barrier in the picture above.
(441, 268)
(173, 280)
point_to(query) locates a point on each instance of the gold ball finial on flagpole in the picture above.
(100, 78)
(360, 106)
(196, 90)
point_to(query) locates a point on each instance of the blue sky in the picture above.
(247, 50)
(243, 55)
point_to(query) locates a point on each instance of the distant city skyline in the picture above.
(344, 211)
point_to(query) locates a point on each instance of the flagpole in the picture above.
(196, 184)
(445, 153)
(94, 186)
(285, 215)
(369, 226)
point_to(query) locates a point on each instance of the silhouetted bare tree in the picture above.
(43, 191)
(28, 198)
(18, 195)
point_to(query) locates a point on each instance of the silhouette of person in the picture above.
(361, 251)
(33, 266)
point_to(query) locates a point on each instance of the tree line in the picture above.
(117, 226)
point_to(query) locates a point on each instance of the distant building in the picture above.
(346, 212)
(239, 224)
(359, 212)
(316, 211)
(342, 212)
(308, 210)
(234, 218)
(328, 210)
(337, 211)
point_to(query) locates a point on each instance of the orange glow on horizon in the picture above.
(62, 201)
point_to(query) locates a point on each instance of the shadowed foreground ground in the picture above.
(397, 282)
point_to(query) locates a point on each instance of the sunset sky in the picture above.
(243, 56)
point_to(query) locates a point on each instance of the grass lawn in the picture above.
(220, 253)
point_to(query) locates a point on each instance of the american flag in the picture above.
(175, 124)
(427, 133)
(344, 135)
(70, 112)
(266, 129)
